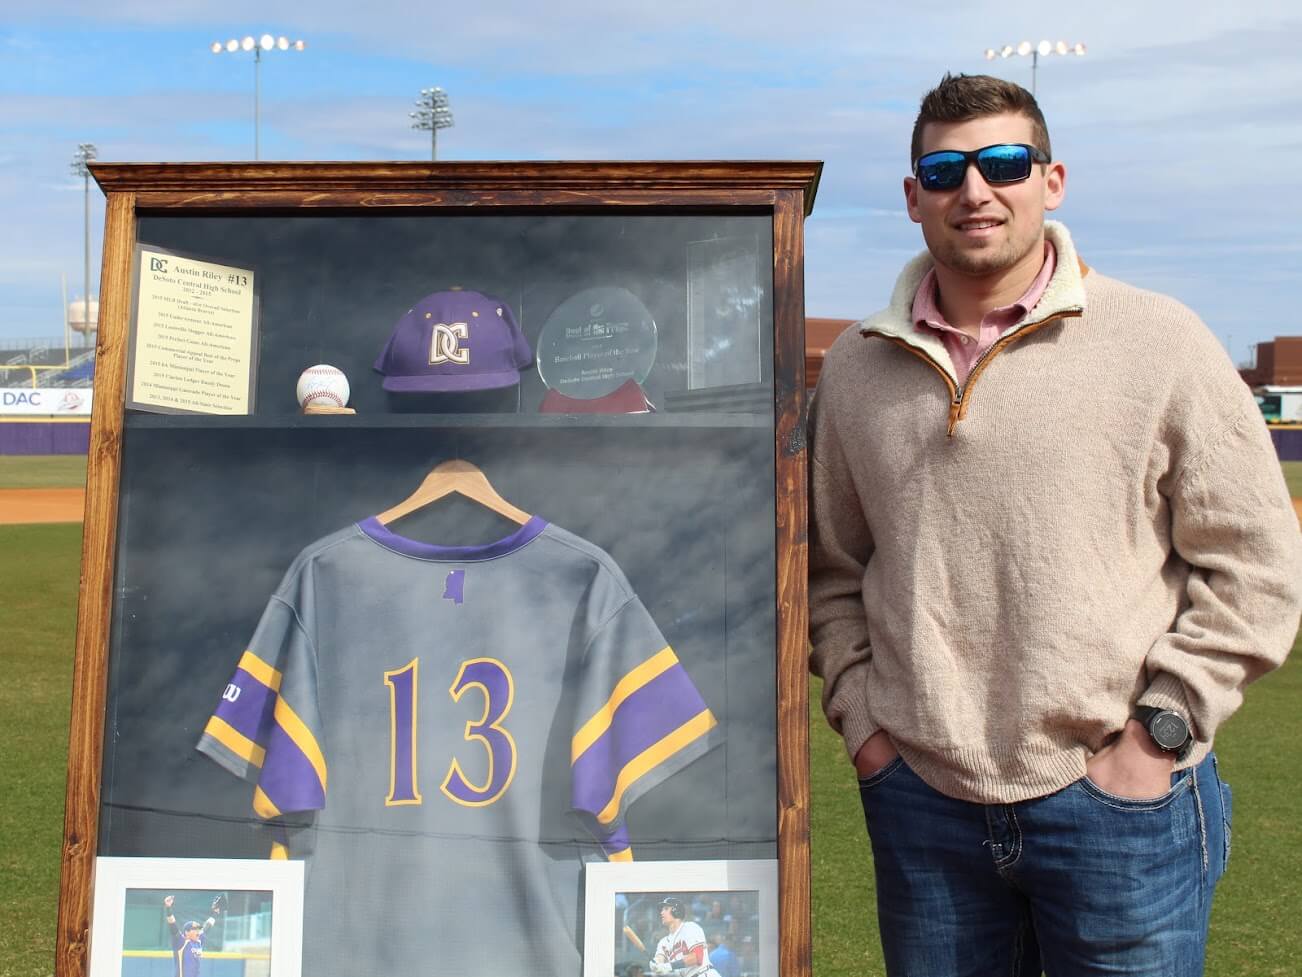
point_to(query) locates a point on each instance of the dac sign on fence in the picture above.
(47, 402)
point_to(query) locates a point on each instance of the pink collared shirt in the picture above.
(963, 349)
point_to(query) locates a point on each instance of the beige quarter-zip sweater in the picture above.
(1001, 569)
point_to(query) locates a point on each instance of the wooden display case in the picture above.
(693, 497)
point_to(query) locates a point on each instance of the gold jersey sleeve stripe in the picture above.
(262, 805)
(235, 741)
(261, 671)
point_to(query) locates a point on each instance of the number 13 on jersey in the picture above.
(491, 679)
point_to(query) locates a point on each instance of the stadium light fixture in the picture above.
(85, 154)
(267, 42)
(1037, 51)
(433, 112)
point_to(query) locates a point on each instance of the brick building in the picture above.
(1279, 363)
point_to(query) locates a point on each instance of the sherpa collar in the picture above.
(1065, 293)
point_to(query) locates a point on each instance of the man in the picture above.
(187, 940)
(1050, 544)
(682, 950)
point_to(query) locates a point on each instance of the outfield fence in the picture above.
(162, 963)
(44, 435)
(1288, 441)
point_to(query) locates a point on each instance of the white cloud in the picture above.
(1174, 126)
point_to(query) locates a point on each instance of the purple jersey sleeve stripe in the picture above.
(636, 679)
(647, 761)
(288, 722)
(615, 843)
(246, 706)
(289, 782)
(642, 720)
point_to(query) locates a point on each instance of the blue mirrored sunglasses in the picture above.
(1008, 162)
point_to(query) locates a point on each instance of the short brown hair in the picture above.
(961, 98)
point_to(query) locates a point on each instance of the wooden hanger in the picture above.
(451, 476)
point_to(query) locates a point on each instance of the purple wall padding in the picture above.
(53, 438)
(1288, 443)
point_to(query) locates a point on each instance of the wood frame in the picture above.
(784, 189)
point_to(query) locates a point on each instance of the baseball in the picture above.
(322, 385)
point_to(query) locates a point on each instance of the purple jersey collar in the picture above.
(452, 554)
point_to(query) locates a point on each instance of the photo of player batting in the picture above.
(687, 934)
(196, 933)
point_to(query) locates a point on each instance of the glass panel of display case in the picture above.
(514, 615)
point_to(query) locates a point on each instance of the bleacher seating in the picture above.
(46, 355)
(80, 373)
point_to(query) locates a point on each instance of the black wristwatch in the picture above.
(1168, 730)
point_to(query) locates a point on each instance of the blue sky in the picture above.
(1181, 128)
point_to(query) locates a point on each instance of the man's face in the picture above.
(977, 229)
(666, 915)
(193, 932)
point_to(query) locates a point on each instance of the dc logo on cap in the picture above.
(445, 343)
(454, 340)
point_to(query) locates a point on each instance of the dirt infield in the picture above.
(41, 505)
(66, 504)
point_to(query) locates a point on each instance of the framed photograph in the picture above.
(698, 918)
(185, 917)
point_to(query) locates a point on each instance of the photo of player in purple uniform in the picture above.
(187, 938)
(218, 929)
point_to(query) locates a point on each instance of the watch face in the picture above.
(1168, 731)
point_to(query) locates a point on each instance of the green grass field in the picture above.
(42, 471)
(1255, 929)
(1293, 476)
(38, 600)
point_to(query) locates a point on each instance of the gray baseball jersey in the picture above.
(431, 726)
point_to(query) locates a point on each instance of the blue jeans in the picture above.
(1076, 883)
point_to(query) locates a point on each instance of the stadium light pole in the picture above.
(85, 154)
(433, 112)
(257, 45)
(1036, 51)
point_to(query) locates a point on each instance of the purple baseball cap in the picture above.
(454, 340)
